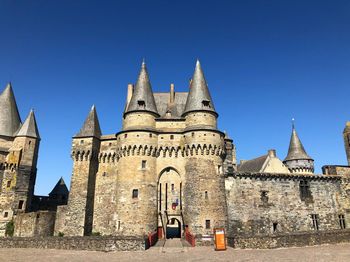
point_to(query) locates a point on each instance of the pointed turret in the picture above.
(297, 159)
(142, 98)
(59, 189)
(199, 98)
(10, 120)
(29, 128)
(91, 127)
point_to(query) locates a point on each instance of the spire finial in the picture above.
(143, 63)
(293, 123)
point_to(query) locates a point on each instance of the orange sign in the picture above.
(219, 239)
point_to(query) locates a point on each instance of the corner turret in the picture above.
(297, 160)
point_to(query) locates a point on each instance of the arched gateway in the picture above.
(170, 218)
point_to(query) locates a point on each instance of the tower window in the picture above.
(150, 135)
(20, 204)
(274, 226)
(171, 137)
(342, 221)
(141, 104)
(135, 193)
(172, 187)
(263, 197)
(206, 195)
(315, 221)
(207, 224)
(125, 135)
(81, 141)
(206, 103)
(304, 187)
(143, 164)
(8, 183)
(192, 134)
(6, 214)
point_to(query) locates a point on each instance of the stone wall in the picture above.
(76, 243)
(32, 224)
(261, 204)
(290, 240)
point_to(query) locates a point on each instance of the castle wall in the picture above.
(261, 204)
(34, 224)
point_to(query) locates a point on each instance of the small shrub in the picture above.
(95, 234)
(10, 228)
(60, 234)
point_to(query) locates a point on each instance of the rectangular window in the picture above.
(172, 187)
(219, 169)
(207, 224)
(143, 164)
(171, 137)
(135, 193)
(263, 196)
(8, 183)
(20, 204)
(342, 221)
(315, 221)
(6, 214)
(206, 195)
(304, 187)
(274, 227)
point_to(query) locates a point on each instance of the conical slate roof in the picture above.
(199, 98)
(10, 120)
(347, 127)
(142, 98)
(91, 125)
(60, 188)
(29, 128)
(296, 149)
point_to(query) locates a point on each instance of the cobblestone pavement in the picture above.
(339, 252)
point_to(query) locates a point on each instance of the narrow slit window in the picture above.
(207, 224)
(20, 204)
(342, 221)
(206, 195)
(6, 214)
(315, 221)
(135, 193)
(143, 164)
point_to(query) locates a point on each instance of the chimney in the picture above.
(271, 153)
(172, 93)
(129, 94)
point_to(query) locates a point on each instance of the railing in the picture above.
(190, 237)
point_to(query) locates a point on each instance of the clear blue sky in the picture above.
(265, 62)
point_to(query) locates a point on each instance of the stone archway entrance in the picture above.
(170, 219)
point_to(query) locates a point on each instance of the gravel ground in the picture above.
(339, 252)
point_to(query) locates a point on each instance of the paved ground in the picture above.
(339, 252)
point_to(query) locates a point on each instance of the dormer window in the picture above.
(141, 104)
(206, 103)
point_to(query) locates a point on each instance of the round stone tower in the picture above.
(204, 191)
(137, 179)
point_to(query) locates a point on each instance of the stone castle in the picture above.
(170, 170)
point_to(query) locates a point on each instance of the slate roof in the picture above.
(163, 103)
(198, 93)
(253, 165)
(29, 128)
(60, 188)
(10, 120)
(142, 92)
(296, 149)
(91, 127)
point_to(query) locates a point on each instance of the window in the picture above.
(304, 187)
(118, 224)
(8, 183)
(81, 141)
(206, 103)
(207, 224)
(135, 193)
(104, 174)
(37, 215)
(274, 227)
(20, 204)
(315, 221)
(172, 187)
(206, 195)
(150, 135)
(6, 214)
(219, 169)
(192, 134)
(143, 164)
(263, 197)
(125, 135)
(141, 104)
(171, 137)
(342, 221)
